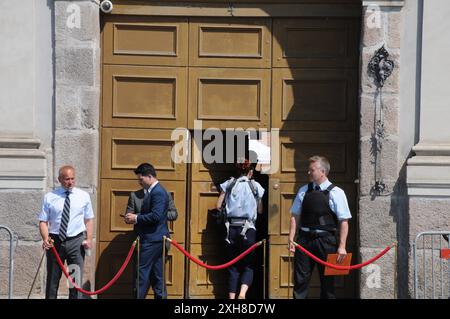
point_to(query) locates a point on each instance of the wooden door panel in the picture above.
(145, 40)
(114, 198)
(205, 283)
(281, 271)
(113, 202)
(203, 227)
(281, 197)
(296, 147)
(316, 42)
(311, 100)
(230, 43)
(178, 191)
(110, 258)
(174, 273)
(216, 173)
(112, 255)
(216, 169)
(229, 98)
(144, 97)
(124, 149)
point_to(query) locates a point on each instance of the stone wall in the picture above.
(77, 69)
(428, 171)
(381, 211)
(26, 134)
(65, 131)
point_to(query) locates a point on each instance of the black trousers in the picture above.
(304, 265)
(241, 273)
(71, 250)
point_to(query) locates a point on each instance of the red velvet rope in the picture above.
(109, 284)
(228, 264)
(373, 259)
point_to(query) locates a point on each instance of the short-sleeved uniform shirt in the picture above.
(337, 201)
(80, 209)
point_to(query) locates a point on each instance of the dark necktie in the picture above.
(65, 218)
(317, 188)
(146, 202)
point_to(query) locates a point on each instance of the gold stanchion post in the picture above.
(264, 269)
(137, 268)
(164, 266)
(289, 272)
(395, 268)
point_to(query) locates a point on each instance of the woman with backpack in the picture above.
(240, 198)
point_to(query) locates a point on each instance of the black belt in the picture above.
(56, 236)
(315, 234)
(237, 221)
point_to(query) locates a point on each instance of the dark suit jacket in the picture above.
(151, 223)
(135, 201)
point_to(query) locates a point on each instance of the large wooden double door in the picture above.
(298, 75)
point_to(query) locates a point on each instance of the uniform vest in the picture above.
(316, 211)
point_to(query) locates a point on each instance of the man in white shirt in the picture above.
(65, 218)
(324, 213)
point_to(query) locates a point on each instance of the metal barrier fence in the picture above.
(11, 259)
(432, 265)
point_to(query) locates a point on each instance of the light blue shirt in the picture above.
(241, 202)
(80, 209)
(337, 201)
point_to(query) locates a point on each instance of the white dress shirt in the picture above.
(80, 209)
(147, 191)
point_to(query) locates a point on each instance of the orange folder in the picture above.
(332, 260)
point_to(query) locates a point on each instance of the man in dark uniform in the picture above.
(324, 212)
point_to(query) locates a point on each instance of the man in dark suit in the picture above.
(147, 211)
(134, 206)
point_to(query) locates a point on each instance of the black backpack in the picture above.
(172, 213)
(220, 215)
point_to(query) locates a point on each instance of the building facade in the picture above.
(105, 91)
